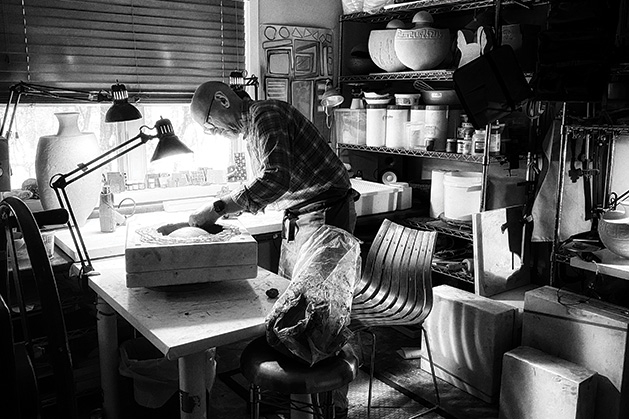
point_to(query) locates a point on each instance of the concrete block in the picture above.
(468, 335)
(587, 332)
(536, 385)
(515, 299)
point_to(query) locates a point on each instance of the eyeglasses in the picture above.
(209, 127)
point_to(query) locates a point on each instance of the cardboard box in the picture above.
(587, 332)
(468, 335)
(537, 385)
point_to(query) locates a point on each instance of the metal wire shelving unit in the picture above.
(405, 11)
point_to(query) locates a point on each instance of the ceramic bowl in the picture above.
(381, 47)
(374, 95)
(383, 101)
(360, 62)
(422, 48)
(613, 230)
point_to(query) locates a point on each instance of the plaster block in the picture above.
(468, 335)
(587, 332)
(537, 385)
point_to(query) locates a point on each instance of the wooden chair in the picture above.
(15, 215)
(395, 288)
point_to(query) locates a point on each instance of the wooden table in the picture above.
(182, 324)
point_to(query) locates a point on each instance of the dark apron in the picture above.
(301, 221)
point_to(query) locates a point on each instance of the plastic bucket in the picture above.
(461, 193)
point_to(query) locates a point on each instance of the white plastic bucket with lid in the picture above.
(461, 195)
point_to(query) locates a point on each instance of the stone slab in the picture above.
(587, 332)
(468, 335)
(185, 261)
(538, 385)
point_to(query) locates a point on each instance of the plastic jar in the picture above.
(418, 114)
(415, 128)
(437, 117)
(478, 142)
(397, 117)
(376, 125)
(451, 145)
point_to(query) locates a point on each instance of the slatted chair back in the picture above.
(395, 287)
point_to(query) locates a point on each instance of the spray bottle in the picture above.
(106, 210)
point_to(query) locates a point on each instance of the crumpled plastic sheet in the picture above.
(309, 320)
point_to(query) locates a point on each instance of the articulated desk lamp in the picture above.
(168, 145)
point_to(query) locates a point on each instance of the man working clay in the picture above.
(294, 167)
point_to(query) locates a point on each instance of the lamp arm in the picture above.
(13, 91)
(79, 244)
(59, 181)
(31, 89)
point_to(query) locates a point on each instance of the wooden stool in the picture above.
(267, 369)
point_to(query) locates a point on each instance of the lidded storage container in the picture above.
(350, 126)
(436, 125)
(397, 117)
(376, 125)
(461, 192)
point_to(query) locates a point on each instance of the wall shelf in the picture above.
(428, 75)
(478, 159)
(440, 226)
(406, 10)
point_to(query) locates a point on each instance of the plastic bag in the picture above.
(352, 6)
(155, 378)
(309, 320)
(374, 6)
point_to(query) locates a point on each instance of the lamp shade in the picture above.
(331, 98)
(169, 144)
(121, 110)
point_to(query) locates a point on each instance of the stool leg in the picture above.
(301, 406)
(327, 406)
(254, 401)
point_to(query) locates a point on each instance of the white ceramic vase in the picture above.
(61, 153)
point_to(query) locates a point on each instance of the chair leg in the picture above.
(432, 366)
(434, 379)
(372, 368)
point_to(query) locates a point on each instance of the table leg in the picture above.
(107, 329)
(192, 373)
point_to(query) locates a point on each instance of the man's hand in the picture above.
(203, 216)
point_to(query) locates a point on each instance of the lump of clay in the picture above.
(189, 232)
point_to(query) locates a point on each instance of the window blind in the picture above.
(160, 49)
